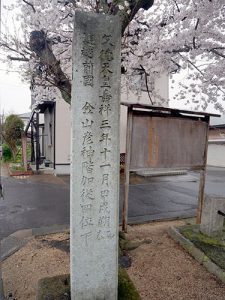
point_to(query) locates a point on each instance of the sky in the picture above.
(14, 95)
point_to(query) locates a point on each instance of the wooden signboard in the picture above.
(167, 142)
(160, 137)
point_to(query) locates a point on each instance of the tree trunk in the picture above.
(41, 46)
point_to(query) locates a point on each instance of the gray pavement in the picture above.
(43, 200)
(1, 289)
(30, 203)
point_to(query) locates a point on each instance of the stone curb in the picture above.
(161, 173)
(196, 253)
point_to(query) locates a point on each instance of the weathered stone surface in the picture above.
(58, 288)
(54, 288)
(211, 222)
(125, 261)
(95, 157)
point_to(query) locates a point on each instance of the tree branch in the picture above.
(203, 75)
(17, 58)
(31, 5)
(178, 9)
(217, 53)
(5, 45)
(176, 64)
(194, 38)
(41, 47)
(134, 7)
(146, 83)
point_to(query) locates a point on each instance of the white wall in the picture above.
(162, 88)
(62, 129)
(62, 170)
(216, 155)
(123, 127)
(49, 134)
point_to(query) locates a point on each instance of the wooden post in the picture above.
(127, 170)
(32, 158)
(201, 196)
(37, 142)
(24, 151)
(202, 178)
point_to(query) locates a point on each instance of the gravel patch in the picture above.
(163, 270)
(36, 260)
(160, 269)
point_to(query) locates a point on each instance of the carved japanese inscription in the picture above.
(95, 157)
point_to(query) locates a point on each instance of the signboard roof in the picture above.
(168, 109)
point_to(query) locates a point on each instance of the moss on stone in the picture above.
(58, 288)
(213, 247)
(192, 233)
(120, 252)
(205, 258)
(54, 288)
(129, 245)
(122, 235)
(126, 288)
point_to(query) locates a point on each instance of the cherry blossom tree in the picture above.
(167, 37)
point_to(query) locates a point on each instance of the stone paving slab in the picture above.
(50, 229)
(10, 245)
(17, 240)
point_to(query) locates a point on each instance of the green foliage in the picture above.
(18, 158)
(28, 150)
(16, 167)
(6, 152)
(12, 130)
(13, 127)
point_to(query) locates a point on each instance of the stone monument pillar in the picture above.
(95, 156)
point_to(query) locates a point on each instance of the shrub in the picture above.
(6, 152)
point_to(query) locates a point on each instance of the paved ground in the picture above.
(43, 200)
(33, 202)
